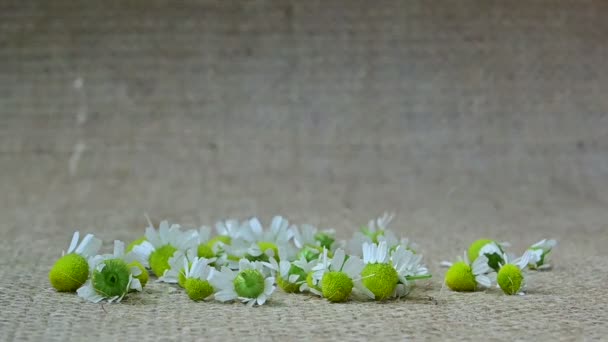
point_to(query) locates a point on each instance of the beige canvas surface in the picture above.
(468, 119)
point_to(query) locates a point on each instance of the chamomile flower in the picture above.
(463, 276)
(511, 276)
(204, 248)
(409, 268)
(112, 277)
(227, 231)
(176, 273)
(251, 284)
(539, 253)
(160, 245)
(266, 243)
(71, 271)
(197, 276)
(491, 249)
(388, 275)
(310, 241)
(370, 233)
(335, 278)
(291, 275)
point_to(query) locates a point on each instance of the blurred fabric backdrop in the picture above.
(466, 118)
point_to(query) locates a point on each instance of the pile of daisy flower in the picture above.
(486, 263)
(245, 261)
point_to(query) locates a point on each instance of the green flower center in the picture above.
(325, 240)
(380, 279)
(143, 276)
(204, 251)
(113, 279)
(510, 279)
(225, 239)
(69, 273)
(249, 283)
(337, 286)
(460, 277)
(198, 289)
(159, 259)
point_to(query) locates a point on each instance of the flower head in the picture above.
(72, 270)
(265, 244)
(334, 278)
(160, 245)
(112, 276)
(491, 249)
(310, 241)
(511, 276)
(539, 253)
(197, 275)
(463, 276)
(250, 284)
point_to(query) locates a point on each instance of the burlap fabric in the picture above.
(467, 118)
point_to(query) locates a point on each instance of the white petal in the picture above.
(480, 265)
(261, 299)
(87, 292)
(382, 252)
(89, 246)
(152, 237)
(135, 271)
(135, 285)
(225, 295)
(269, 286)
(483, 280)
(119, 249)
(142, 252)
(256, 226)
(353, 267)
(361, 288)
(338, 260)
(74, 242)
(163, 232)
(445, 264)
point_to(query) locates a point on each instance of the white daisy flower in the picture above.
(160, 245)
(464, 276)
(176, 272)
(377, 230)
(250, 284)
(227, 232)
(292, 275)
(409, 267)
(198, 274)
(491, 249)
(71, 271)
(112, 277)
(335, 278)
(511, 276)
(306, 267)
(538, 254)
(266, 243)
(311, 241)
(388, 275)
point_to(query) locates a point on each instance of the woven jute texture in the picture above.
(468, 119)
